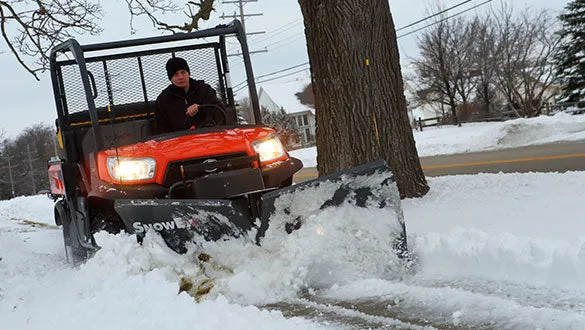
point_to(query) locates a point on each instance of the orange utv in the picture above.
(222, 180)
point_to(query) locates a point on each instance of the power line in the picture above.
(433, 15)
(271, 74)
(271, 34)
(283, 29)
(404, 27)
(279, 77)
(268, 36)
(274, 33)
(444, 19)
(294, 23)
(283, 70)
(294, 37)
(239, 63)
(271, 79)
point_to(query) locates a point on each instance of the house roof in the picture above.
(266, 101)
(283, 93)
(311, 111)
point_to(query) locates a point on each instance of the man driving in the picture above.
(178, 106)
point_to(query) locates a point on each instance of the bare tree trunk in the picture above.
(439, 67)
(360, 109)
(453, 107)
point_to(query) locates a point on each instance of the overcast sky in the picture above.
(26, 102)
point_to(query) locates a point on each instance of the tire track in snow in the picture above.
(461, 304)
(569, 300)
(343, 314)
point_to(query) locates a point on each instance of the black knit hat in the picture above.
(175, 64)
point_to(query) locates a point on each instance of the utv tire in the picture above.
(75, 253)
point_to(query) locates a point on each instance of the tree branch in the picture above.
(33, 28)
(150, 8)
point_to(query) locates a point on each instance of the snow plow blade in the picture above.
(372, 185)
(182, 221)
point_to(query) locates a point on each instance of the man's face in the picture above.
(181, 78)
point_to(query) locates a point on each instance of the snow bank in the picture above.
(474, 137)
(495, 250)
(524, 228)
(31, 208)
(307, 155)
(491, 136)
(503, 250)
(125, 286)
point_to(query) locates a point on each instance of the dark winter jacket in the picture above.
(171, 106)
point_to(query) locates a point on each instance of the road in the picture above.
(556, 157)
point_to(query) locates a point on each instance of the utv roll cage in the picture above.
(67, 100)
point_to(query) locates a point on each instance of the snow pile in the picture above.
(503, 257)
(32, 208)
(492, 251)
(530, 231)
(334, 246)
(502, 250)
(125, 286)
(307, 155)
(471, 137)
(509, 134)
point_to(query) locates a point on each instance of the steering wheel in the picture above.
(213, 115)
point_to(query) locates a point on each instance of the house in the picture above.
(306, 122)
(418, 108)
(303, 115)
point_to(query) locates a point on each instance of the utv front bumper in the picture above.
(272, 176)
(275, 174)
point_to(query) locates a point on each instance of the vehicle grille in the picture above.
(173, 172)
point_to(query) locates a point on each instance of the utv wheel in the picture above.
(75, 253)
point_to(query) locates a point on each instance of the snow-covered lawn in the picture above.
(471, 137)
(505, 250)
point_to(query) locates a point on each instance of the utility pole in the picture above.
(242, 17)
(32, 177)
(10, 176)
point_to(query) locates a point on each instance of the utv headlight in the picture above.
(269, 148)
(131, 169)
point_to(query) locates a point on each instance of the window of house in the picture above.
(299, 121)
(307, 135)
(305, 120)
